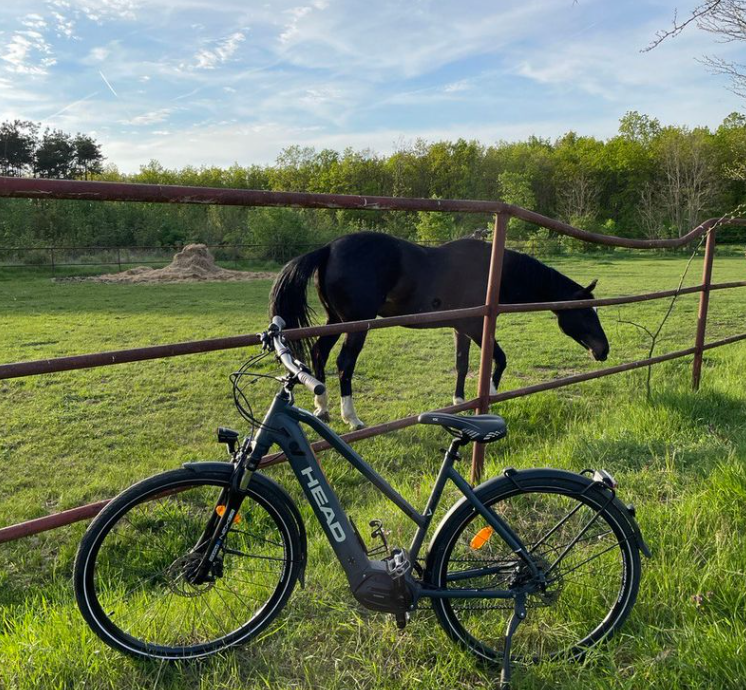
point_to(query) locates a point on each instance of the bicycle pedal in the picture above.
(398, 564)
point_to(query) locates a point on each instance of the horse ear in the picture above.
(591, 287)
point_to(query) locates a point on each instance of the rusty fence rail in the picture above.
(104, 191)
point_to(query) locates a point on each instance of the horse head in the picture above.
(583, 325)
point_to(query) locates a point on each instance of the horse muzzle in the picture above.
(600, 354)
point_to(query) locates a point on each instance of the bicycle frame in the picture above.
(282, 426)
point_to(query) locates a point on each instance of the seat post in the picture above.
(452, 453)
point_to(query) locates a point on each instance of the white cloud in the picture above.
(292, 29)
(609, 64)
(219, 52)
(33, 21)
(99, 54)
(101, 10)
(28, 52)
(150, 118)
(457, 86)
(64, 26)
(10, 91)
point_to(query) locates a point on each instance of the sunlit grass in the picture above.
(75, 437)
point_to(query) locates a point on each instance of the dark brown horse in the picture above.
(366, 274)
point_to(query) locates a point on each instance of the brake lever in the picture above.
(265, 340)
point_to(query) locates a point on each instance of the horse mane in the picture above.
(551, 284)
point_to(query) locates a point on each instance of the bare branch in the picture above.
(734, 70)
(699, 13)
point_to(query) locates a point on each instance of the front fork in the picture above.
(226, 509)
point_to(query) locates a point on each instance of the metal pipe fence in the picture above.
(103, 191)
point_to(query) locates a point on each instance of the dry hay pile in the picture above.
(194, 262)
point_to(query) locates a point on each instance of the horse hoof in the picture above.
(323, 415)
(357, 426)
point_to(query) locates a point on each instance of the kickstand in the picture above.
(519, 613)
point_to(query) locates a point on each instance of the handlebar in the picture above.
(294, 366)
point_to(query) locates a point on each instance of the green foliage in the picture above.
(17, 145)
(515, 188)
(281, 231)
(435, 227)
(56, 155)
(649, 180)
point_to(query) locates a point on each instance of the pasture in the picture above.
(77, 437)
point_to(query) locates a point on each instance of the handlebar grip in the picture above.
(313, 385)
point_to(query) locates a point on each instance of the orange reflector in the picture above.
(220, 510)
(481, 538)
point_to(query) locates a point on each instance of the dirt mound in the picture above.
(193, 263)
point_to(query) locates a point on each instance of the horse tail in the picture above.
(288, 296)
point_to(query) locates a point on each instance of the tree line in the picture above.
(25, 151)
(648, 180)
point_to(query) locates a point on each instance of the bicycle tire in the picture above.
(145, 534)
(574, 587)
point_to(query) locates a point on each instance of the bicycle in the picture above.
(198, 559)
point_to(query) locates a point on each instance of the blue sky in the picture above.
(220, 81)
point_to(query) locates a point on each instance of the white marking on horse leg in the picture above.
(493, 390)
(457, 400)
(349, 414)
(321, 406)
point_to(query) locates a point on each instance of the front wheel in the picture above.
(578, 537)
(132, 570)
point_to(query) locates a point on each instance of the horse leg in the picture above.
(462, 365)
(501, 362)
(319, 356)
(498, 356)
(348, 355)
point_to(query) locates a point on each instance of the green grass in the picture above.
(75, 437)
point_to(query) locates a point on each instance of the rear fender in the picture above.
(511, 479)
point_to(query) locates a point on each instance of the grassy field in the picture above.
(71, 438)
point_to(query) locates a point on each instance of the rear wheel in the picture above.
(583, 543)
(132, 570)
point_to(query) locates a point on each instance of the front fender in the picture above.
(216, 467)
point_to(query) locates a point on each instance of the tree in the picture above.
(651, 211)
(55, 156)
(435, 227)
(281, 231)
(88, 156)
(17, 144)
(689, 176)
(578, 161)
(515, 188)
(639, 128)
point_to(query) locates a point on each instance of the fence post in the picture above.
(51, 256)
(119, 258)
(704, 301)
(488, 334)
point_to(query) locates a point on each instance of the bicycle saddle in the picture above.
(481, 428)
